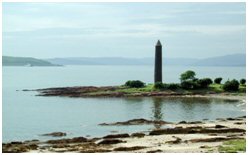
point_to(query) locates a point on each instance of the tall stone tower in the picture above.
(158, 63)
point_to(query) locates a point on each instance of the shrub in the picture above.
(159, 85)
(231, 85)
(188, 75)
(218, 80)
(173, 86)
(195, 79)
(242, 81)
(204, 83)
(189, 85)
(135, 84)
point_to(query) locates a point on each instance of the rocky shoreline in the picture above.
(198, 136)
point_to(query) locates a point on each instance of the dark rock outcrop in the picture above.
(192, 131)
(55, 134)
(194, 122)
(154, 151)
(75, 91)
(111, 141)
(140, 121)
(60, 145)
(138, 134)
(219, 126)
(215, 139)
(125, 135)
(16, 142)
(133, 148)
(19, 147)
(239, 123)
(176, 141)
(73, 140)
(95, 151)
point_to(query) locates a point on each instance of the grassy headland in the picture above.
(124, 91)
(190, 85)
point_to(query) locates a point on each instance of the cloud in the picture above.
(35, 16)
(145, 30)
(123, 27)
(58, 15)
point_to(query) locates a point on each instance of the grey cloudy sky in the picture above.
(191, 30)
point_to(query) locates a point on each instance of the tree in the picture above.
(204, 83)
(135, 84)
(242, 81)
(231, 85)
(173, 86)
(218, 80)
(188, 75)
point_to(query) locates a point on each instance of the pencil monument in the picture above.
(158, 63)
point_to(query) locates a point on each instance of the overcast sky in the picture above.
(190, 30)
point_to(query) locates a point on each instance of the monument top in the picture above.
(158, 43)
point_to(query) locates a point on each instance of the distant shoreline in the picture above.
(232, 60)
(26, 62)
(32, 66)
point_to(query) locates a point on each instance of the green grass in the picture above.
(210, 151)
(233, 146)
(147, 88)
(216, 88)
(242, 88)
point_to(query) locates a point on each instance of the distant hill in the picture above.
(228, 60)
(24, 61)
(119, 61)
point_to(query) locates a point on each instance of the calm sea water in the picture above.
(26, 116)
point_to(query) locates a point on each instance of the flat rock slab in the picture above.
(55, 134)
(138, 134)
(140, 121)
(133, 148)
(111, 141)
(18, 147)
(73, 140)
(125, 135)
(215, 139)
(193, 131)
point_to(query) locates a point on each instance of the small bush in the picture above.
(172, 86)
(135, 84)
(242, 81)
(218, 80)
(231, 85)
(159, 85)
(195, 79)
(189, 85)
(204, 83)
